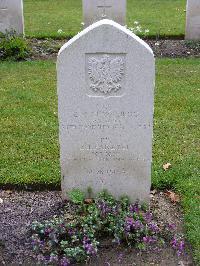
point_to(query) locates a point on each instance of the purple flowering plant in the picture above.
(64, 242)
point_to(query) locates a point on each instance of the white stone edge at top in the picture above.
(100, 23)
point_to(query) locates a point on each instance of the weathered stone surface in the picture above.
(11, 16)
(105, 99)
(193, 20)
(96, 10)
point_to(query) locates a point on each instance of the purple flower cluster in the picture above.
(103, 207)
(178, 244)
(154, 228)
(89, 247)
(148, 217)
(65, 262)
(149, 239)
(137, 225)
(131, 224)
(53, 258)
(171, 227)
(134, 207)
(60, 243)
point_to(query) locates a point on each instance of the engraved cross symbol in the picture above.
(104, 7)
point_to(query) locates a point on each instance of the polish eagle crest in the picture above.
(105, 73)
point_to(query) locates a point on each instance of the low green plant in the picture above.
(65, 242)
(195, 45)
(76, 196)
(13, 47)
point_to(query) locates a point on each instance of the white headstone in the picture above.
(96, 10)
(105, 98)
(193, 20)
(11, 16)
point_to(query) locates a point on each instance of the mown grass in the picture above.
(29, 139)
(29, 130)
(43, 18)
(176, 137)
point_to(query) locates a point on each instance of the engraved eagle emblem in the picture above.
(105, 73)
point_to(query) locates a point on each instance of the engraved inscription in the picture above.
(106, 172)
(106, 73)
(104, 150)
(102, 127)
(104, 121)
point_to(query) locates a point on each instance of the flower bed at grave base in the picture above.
(76, 238)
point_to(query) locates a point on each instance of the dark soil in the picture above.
(175, 48)
(48, 49)
(19, 209)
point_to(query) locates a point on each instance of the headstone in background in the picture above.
(193, 20)
(105, 100)
(11, 16)
(96, 10)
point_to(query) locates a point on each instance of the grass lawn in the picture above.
(29, 130)
(43, 18)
